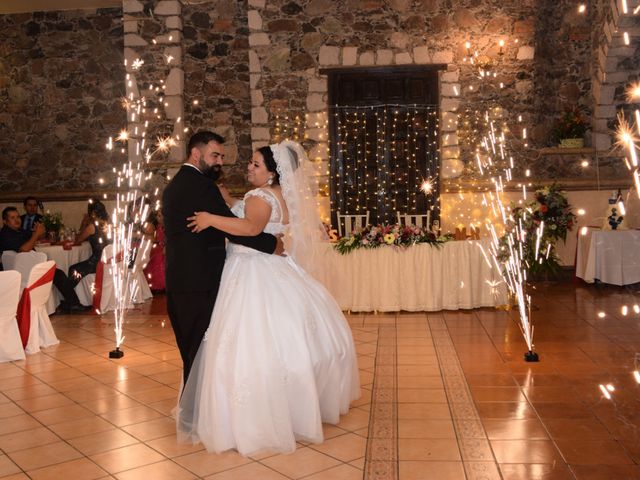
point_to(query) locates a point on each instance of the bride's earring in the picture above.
(270, 181)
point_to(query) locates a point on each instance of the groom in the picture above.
(194, 261)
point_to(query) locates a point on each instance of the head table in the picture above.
(421, 277)
(65, 258)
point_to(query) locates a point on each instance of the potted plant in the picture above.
(570, 129)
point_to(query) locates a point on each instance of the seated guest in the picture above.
(94, 230)
(12, 237)
(155, 268)
(32, 216)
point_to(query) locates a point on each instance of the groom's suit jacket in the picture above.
(194, 261)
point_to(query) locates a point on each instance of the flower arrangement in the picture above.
(571, 125)
(374, 236)
(551, 207)
(52, 221)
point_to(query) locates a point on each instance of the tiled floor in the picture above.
(445, 396)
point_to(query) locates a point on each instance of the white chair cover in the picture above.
(24, 262)
(9, 259)
(41, 332)
(86, 288)
(351, 223)
(141, 291)
(10, 342)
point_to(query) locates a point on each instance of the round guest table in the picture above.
(610, 256)
(65, 258)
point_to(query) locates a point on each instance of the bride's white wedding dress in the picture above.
(278, 358)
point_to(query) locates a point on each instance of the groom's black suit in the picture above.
(194, 261)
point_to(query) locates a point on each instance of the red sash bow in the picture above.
(24, 307)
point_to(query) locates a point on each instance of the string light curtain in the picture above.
(380, 157)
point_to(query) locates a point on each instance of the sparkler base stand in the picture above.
(117, 353)
(531, 356)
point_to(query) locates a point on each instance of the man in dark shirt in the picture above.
(12, 237)
(31, 217)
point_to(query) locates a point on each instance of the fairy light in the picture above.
(601, 314)
(582, 8)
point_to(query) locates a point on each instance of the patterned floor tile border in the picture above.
(381, 461)
(478, 459)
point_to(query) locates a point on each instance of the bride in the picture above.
(278, 358)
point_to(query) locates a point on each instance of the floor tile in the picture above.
(80, 469)
(302, 463)
(164, 470)
(13, 442)
(44, 455)
(126, 458)
(203, 463)
(420, 470)
(102, 441)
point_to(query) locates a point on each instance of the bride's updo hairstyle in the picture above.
(270, 163)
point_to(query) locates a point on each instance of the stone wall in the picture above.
(217, 78)
(546, 49)
(61, 83)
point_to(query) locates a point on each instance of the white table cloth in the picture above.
(65, 258)
(610, 256)
(417, 278)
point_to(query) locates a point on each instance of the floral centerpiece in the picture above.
(53, 224)
(570, 129)
(551, 207)
(374, 236)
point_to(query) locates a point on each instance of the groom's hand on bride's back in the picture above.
(279, 246)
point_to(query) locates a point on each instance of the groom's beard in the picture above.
(212, 172)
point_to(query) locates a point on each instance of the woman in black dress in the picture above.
(93, 230)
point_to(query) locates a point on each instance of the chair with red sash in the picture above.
(97, 289)
(34, 324)
(10, 343)
(24, 263)
(140, 292)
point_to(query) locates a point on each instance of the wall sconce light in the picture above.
(484, 64)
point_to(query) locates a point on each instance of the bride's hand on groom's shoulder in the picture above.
(199, 221)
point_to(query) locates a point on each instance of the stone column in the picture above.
(165, 74)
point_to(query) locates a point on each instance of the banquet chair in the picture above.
(141, 291)
(34, 324)
(351, 223)
(97, 289)
(422, 221)
(10, 343)
(24, 262)
(8, 259)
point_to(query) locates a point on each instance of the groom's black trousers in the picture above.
(190, 314)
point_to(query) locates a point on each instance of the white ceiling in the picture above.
(19, 6)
